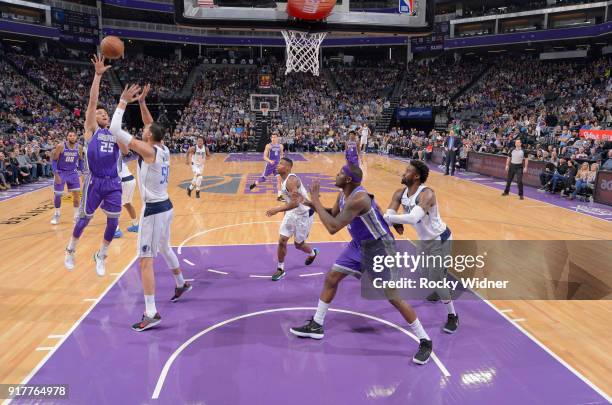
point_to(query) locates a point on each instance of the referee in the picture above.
(514, 166)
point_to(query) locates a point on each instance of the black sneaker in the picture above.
(252, 186)
(178, 291)
(451, 323)
(311, 329)
(424, 353)
(280, 273)
(433, 297)
(279, 198)
(504, 194)
(197, 193)
(189, 192)
(521, 197)
(147, 323)
(311, 259)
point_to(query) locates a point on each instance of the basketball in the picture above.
(112, 47)
(312, 10)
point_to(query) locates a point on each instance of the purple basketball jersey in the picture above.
(351, 153)
(103, 154)
(368, 226)
(275, 153)
(68, 159)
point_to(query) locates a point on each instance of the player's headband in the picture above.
(347, 170)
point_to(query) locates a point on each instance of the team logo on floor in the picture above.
(224, 184)
(230, 183)
(269, 186)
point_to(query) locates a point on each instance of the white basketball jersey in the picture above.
(300, 209)
(153, 177)
(199, 156)
(431, 226)
(125, 170)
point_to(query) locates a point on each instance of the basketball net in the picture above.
(264, 111)
(303, 51)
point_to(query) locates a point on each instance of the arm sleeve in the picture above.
(115, 127)
(414, 217)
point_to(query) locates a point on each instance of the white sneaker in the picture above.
(55, 219)
(75, 219)
(100, 268)
(69, 259)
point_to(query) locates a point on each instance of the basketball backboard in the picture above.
(408, 17)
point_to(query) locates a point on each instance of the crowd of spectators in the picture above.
(436, 82)
(166, 76)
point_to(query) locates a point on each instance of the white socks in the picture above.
(135, 221)
(72, 244)
(281, 266)
(150, 310)
(319, 316)
(58, 211)
(103, 251)
(198, 183)
(76, 211)
(450, 307)
(180, 281)
(313, 253)
(418, 330)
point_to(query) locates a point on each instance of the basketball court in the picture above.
(228, 340)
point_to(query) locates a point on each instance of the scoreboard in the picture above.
(75, 26)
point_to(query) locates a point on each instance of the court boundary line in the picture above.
(491, 187)
(507, 318)
(66, 335)
(26, 193)
(168, 364)
(547, 350)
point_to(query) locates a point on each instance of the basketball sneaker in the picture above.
(117, 234)
(55, 219)
(189, 192)
(424, 353)
(100, 266)
(147, 323)
(69, 259)
(280, 273)
(311, 259)
(311, 329)
(178, 291)
(452, 322)
(133, 228)
(279, 198)
(197, 193)
(252, 186)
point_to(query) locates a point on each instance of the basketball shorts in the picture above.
(197, 169)
(269, 171)
(103, 192)
(364, 140)
(351, 260)
(154, 228)
(127, 191)
(69, 179)
(296, 226)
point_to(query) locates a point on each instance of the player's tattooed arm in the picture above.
(427, 199)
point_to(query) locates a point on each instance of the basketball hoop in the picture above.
(303, 51)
